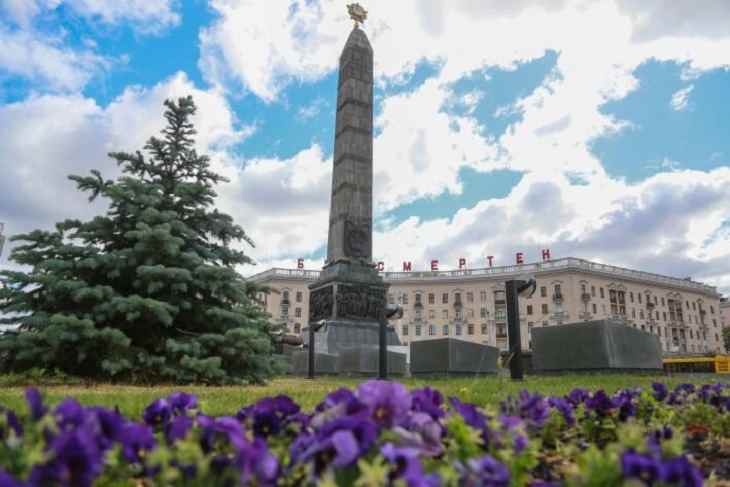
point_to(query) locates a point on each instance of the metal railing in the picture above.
(567, 263)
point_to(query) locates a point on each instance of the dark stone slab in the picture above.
(337, 336)
(452, 356)
(594, 345)
(324, 363)
(365, 361)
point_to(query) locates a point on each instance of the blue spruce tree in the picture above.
(147, 292)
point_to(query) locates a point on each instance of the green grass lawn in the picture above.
(131, 400)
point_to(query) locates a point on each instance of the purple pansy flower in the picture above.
(69, 414)
(256, 463)
(6, 480)
(660, 391)
(422, 432)
(639, 466)
(485, 471)
(12, 421)
(137, 439)
(182, 401)
(600, 403)
(564, 408)
(76, 461)
(220, 431)
(388, 402)
(681, 472)
(35, 403)
(407, 466)
(178, 428)
(340, 441)
(624, 400)
(107, 424)
(268, 416)
(157, 413)
(429, 401)
(577, 396)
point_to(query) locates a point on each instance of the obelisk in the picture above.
(350, 294)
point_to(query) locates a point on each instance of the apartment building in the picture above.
(469, 304)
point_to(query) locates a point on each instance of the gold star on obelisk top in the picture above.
(357, 13)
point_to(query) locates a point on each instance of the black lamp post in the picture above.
(515, 289)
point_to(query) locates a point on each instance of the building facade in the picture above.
(470, 304)
(725, 313)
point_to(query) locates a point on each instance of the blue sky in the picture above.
(493, 133)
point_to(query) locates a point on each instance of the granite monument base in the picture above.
(453, 357)
(340, 335)
(324, 363)
(366, 361)
(594, 346)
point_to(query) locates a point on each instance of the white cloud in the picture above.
(146, 16)
(680, 99)
(45, 60)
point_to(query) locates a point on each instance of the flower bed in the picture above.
(379, 434)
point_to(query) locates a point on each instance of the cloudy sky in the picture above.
(595, 128)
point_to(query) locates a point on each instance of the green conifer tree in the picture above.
(147, 292)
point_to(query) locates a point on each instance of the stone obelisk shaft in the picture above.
(351, 221)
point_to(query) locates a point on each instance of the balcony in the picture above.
(458, 304)
(558, 298)
(418, 305)
(585, 297)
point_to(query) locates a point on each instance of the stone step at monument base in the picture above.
(366, 361)
(594, 346)
(356, 361)
(324, 363)
(452, 357)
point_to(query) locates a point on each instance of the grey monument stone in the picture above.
(452, 356)
(324, 363)
(594, 345)
(365, 361)
(350, 294)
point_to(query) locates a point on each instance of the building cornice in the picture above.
(566, 264)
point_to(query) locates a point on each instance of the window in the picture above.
(694, 306)
(446, 330)
(470, 297)
(418, 298)
(633, 313)
(662, 301)
(712, 309)
(543, 292)
(484, 329)
(641, 314)
(529, 309)
(664, 315)
(544, 309)
(431, 314)
(583, 288)
(404, 330)
(431, 330)
(470, 329)
(299, 296)
(595, 310)
(631, 296)
(285, 297)
(657, 315)
(445, 314)
(459, 315)
(470, 313)
(418, 330)
(431, 298)
(284, 311)
(556, 290)
(499, 295)
(483, 312)
(458, 329)
(405, 298)
(638, 295)
(483, 296)
(602, 295)
(690, 334)
(297, 328)
(656, 301)
(298, 312)
(593, 291)
(501, 331)
(445, 298)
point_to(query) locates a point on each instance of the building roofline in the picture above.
(557, 265)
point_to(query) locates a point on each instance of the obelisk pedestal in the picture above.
(350, 294)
